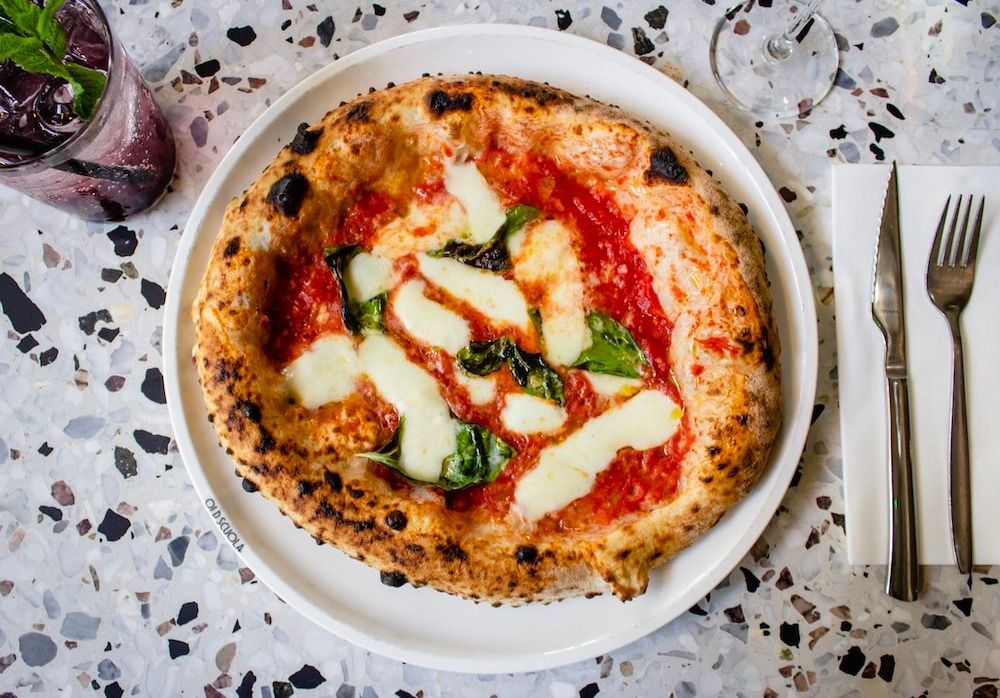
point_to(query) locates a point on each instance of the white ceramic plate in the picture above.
(423, 626)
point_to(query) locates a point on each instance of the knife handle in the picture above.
(903, 579)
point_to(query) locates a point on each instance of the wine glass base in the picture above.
(761, 83)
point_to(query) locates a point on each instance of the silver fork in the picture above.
(951, 270)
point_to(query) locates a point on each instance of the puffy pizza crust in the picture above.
(708, 271)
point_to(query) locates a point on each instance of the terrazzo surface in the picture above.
(114, 579)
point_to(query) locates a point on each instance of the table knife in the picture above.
(903, 577)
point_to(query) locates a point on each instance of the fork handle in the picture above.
(960, 491)
(903, 579)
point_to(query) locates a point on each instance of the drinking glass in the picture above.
(117, 163)
(774, 60)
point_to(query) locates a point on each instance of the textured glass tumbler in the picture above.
(118, 163)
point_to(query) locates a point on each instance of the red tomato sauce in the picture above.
(304, 305)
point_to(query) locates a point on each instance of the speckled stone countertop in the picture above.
(113, 578)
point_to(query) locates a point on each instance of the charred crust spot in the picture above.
(767, 354)
(741, 311)
(232, 247)
(360, 526)
(743, 419)
(414, 548)
(249, 410)
(623, 554)
(359, 113)
(440, 102)
(244, 202)
(307, 487)
(452, 553)
(396, 520)
(695, 508)
(324, 510)
(663, 165)
(734, 472)
(355, 493)
(266, 443)
(305, 140)
(714, 210)
(536, 93)
(721, 466)
(333, 480)
(526, 554)
(714, 451)
(287, 193)
(707, 479)
(249, 486)
(392, 579)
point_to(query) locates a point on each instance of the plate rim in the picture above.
(802, 316)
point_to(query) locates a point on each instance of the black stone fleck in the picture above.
(411, 15)
(880, 131)
(877, 152)
(45, 449)
(987, 20)
(616, 41)
(244, 36)
(177, 648)
(789, 634)
(152, 386)
(838, 520)
(440, 102)
(113, 690)
(27, 343)
(281, 689)
(124, 239)
(207, 69)
(698, 610)
(379, 12)
(894, 110)
(934, 78)
(396, 520)
(151, 443)
(304, 140)
(114, 525)
(287, 193)
(307, 677)
(752, 582)
(188, 612)
(108, 334)
(838, 133)
(818, 409)
(844, 80)
(663, 165)
(657, 18)
(48, 356)
(111, 275)
(610, 17)
(245, 689)
(125, 462)
(640, 42)
(935, 621)
(590, 690)
(563, 19)
(88, 322)
(526, 554)
(178, 549)
(24, 315)
(325, 30)
(852, 662)
(154, 294)
(56, 514)
(886, 667)
(964, 605)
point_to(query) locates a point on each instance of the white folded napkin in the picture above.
(858, 191)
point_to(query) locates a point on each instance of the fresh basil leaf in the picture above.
(483, 358)
(23, 14)
(370, 315)
(88, 85)
(478, 458)
(493, 254)
(535, 376)
(613, 350)
(337, 259)
(50, 31)
(388, 453)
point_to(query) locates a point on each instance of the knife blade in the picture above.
(903, 577)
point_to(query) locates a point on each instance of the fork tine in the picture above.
(977, 228)
(935, 259)
(949, 246)
(962, 235)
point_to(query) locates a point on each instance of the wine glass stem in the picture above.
(780, 46)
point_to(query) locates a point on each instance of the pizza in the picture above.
(493, 338)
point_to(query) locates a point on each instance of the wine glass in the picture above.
(776, 61)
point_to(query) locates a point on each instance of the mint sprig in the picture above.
(32, 37)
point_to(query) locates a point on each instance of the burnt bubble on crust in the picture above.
(526, 554)
(663, 165)
(392, 579)
(396, 520)
(232, 247)
(287, 193)
(359, 113)
(440, 102)
(305, 140)
(452, 553)
(333, 480)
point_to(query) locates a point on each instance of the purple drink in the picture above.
(117, 163)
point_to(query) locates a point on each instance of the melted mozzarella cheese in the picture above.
(612, 386)
(367, 276)
(495, 297)
(325, 372)
(423, 227)
(427, 321)
(544, 255)
(527, 414)
(481, 390)
(483, 211)
(567, 470)
(429, 432)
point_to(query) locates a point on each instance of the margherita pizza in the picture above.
(491, 337)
